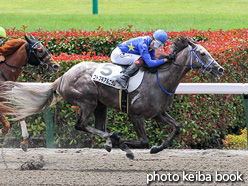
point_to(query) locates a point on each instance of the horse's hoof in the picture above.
(155, 149)
(130, 155)
(115, 136)
(107, 147)
(24, 147)
(5, 130)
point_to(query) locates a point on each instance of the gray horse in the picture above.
(151, 100)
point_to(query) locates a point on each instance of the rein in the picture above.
(12, 65)
(192, 53)
(1, 72)
(169, 93)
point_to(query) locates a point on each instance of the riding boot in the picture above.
(122, 80)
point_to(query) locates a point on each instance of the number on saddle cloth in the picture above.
(107, 73)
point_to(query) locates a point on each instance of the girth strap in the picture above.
(123, 101)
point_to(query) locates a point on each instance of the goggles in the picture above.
(156, 43)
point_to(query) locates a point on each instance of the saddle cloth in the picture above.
(107, 73)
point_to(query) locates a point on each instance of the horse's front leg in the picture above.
(166, 118)
(25, 135)
(139, 127)
(125, 143)
(5, 123)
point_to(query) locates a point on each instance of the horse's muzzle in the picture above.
(52, 66)
(217, 71)
(221, 70)
(56, 68)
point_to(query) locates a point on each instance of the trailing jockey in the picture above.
(136, 51)
(2, 35)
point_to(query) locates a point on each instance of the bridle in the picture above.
(192, 53)
(32, 58)
(205, 66)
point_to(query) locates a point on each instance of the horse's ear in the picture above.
(191, 42)
(28, 39)
(32, 37)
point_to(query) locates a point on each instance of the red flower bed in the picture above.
(85, 57)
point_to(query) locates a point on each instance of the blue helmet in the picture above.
(160, 35)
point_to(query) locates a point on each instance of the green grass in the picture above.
(176, 15)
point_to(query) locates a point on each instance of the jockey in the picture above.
(2, 35)
(136, 51)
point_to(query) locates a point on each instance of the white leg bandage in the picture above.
(24, 129)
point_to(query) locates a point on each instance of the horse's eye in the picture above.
(203, 54)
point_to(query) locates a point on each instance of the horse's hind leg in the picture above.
(5, 123)
(166, 118)
(100, 114)
(82, 124)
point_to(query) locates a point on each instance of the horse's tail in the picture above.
(23, 101)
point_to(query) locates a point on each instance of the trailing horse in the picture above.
(150, 100)
(15, 56)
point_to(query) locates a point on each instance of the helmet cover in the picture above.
(2, 32)
(160, 35)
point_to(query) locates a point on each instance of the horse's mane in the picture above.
(11, 46)
(179, 44)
